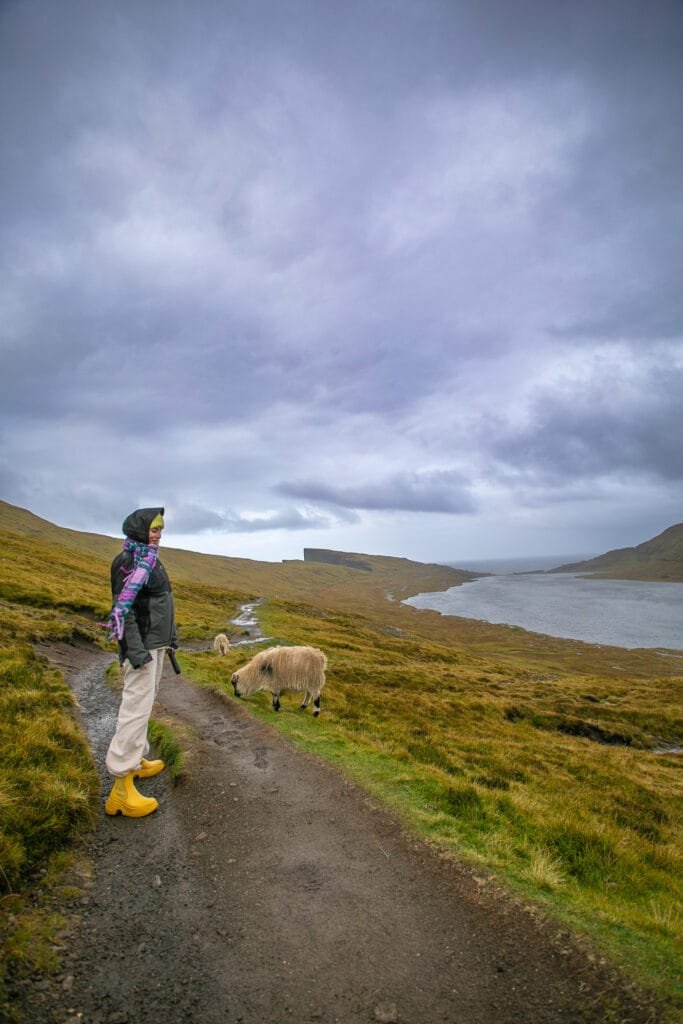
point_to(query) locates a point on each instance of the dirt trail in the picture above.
(267, 889)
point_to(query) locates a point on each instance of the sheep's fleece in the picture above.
(221, 644)
(283, 668)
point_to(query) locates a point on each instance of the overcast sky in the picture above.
(394, 276)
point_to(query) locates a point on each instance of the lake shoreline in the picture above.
(624, 614)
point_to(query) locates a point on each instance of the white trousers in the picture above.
(140, 688)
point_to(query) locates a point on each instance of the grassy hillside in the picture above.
(20, 520)
(658, 559)
(49, 787)
(549, 763)
(556, 782)
(290, 578)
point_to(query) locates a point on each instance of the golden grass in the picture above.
(548, 780)
(48, 784)
(48, 781)
(530, 756)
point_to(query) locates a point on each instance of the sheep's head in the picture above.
(252, 677)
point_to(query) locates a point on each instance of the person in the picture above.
(142, 621)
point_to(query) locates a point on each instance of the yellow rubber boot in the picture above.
(125, 799)
(148, 768)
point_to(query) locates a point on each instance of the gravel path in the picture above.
(266, 889)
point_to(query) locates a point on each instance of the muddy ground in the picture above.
(266, 888)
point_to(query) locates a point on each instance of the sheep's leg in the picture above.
(276, 702)
(307, 699)
(316, 705)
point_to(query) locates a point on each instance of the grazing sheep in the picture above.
(221, 644)
(283, 668)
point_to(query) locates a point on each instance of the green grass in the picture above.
(529, 756)
(493, 764)
(33, 926)
(48, 782)
(48, 799)
(48, 786)
(164, 736)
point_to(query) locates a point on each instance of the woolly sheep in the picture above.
(283, 668)
(221, 644)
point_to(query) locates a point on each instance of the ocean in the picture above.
(504, 566)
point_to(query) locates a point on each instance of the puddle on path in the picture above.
(99, 707)
(98, 703)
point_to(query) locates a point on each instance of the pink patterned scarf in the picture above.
(145, 558)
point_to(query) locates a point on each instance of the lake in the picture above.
(620, 613)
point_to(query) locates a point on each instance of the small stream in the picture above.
(247, 620)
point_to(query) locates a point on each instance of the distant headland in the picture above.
(658, 559)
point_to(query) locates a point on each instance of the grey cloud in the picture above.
(277, 219)
(652, 308)
(192, 519)
(292, 519)
(69, 500)
(16, 487)
(441, 491)
(585, 434)
(102, 508)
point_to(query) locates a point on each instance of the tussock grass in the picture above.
(48, 798)
(549, 782)
(48, 781)
(530, 756)
(48, 786)
(28, 944)
(165, 737)
(33, 928)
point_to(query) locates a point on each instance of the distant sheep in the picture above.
(221, 644)
(283, 668)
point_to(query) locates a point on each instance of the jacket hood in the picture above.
(136, 525)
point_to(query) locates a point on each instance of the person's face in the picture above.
(155, 535)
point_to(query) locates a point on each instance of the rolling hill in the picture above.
(548, 762)
(359, 577)
(658, 559)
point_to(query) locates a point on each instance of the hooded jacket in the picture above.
(151, 621)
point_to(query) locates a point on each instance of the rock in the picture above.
(386, 1013)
